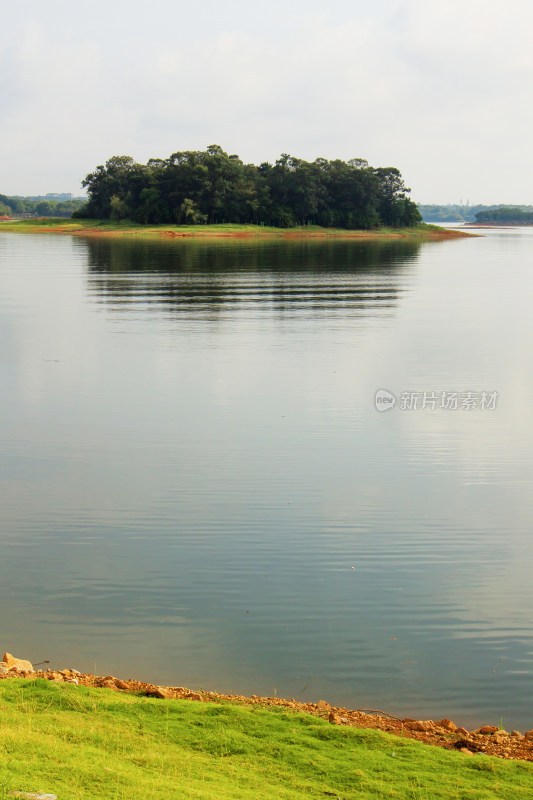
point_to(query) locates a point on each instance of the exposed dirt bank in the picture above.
(321, 235)
(431, 233)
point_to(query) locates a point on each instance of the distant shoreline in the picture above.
(424, 232)
(498, 225)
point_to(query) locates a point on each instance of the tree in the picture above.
(391, 191)
(46, 208)
(111, 180)
(119, 208)
(189, 213)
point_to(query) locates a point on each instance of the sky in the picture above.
(442, 91)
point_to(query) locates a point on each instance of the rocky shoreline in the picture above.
(488, 739)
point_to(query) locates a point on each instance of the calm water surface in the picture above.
(197, 489)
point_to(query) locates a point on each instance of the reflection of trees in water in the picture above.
(194, 276)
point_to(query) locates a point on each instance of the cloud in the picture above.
(441, 91)
(480, 35)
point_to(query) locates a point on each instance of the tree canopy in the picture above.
(506, 215)
(195, 187)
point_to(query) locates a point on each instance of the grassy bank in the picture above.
(422, 232)
(80, 743)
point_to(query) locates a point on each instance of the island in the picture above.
(213, 194)
(506, 215)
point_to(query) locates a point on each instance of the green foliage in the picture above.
(507, 215)
(83, 744)
(458, 213)
(449, 213)
(119, 208)
(210, 187)
(189, 213)
(82, 212)
(49, 206)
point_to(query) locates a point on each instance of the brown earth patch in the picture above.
(259, 233)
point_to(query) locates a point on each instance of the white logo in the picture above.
(384, 400)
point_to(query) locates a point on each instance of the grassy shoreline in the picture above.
(83, 743)
(488, 739)
(105, 228)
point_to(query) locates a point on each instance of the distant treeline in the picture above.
(51, 205)
(197, 187)
(460, 213)
(506, 215)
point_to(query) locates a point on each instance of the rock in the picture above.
(159, 691)
(4, 669)
(194, 696)
(487, 730)
(528, 735)
(447, 724)
(322, 705)
(465, 744)
(419, 725)
(462, 731)
(17, 664)
(72, 680)
(466, 750)
(516, 734)
(121, 684)
(106, 683)
(501, 737)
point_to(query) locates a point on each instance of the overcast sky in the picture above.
(441, 90)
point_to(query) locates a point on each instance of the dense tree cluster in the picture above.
(506, 215)
(211, 186)
(460, 213)
(47, 206)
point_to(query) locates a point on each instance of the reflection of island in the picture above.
(196, 277)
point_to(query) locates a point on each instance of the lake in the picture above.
(197, 488)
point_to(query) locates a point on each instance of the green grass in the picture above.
(94, 743)
(149, 231)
